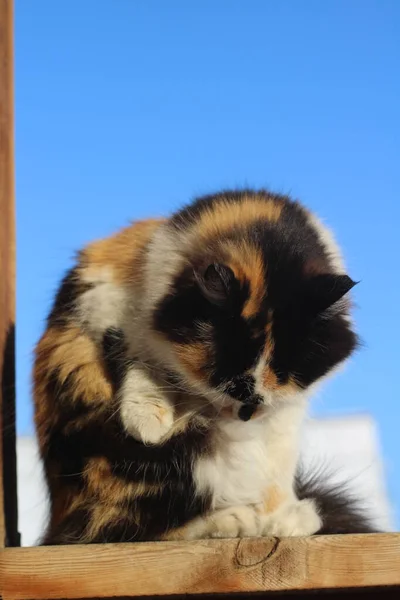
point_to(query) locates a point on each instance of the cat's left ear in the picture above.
(324, 290)
(216, 283)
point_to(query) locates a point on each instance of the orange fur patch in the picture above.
(224, 215)
(247, 264)
(274, 498)
(110, 496)
(193, 357)
(70, 352)
(103, 515)
(102, 483)
(122, 253)
(269, 379)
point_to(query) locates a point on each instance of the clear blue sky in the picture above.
(126, 109)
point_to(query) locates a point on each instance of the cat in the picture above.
(173, 377)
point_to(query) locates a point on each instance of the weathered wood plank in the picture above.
(8, 494)
(201, 567)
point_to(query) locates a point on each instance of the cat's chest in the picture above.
(236, 471)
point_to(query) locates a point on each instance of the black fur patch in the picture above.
(64, 305)
(115, 355)
(305, 343)
(341, 513)
(69, 531)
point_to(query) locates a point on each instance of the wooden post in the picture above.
(8, 481)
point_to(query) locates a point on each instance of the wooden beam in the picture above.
(8, 481)
(200, 567)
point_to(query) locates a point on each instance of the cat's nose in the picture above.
(253, 400)
(242, 388)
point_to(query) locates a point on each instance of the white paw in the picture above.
(146, 414)
(236, 522)
(297, 519)
(148, 423)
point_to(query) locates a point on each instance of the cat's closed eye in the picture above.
(216, 283)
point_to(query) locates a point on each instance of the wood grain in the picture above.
(8, 497)
(201, 567)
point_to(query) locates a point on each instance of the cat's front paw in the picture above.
(297, 519)
(235, 522)
(147, 415)
(148, 424)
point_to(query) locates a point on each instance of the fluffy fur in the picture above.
(173, 377)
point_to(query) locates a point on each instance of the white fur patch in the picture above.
(328, 240)
(146, 414)
(251, 456)
(236, 473)
(164, 260)
(249, 459)
(102, 306)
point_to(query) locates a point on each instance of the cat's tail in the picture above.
(341, 511)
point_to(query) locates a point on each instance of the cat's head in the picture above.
(255, 302)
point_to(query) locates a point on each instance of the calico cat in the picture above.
(173, 377)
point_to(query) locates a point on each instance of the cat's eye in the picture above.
(216, 283)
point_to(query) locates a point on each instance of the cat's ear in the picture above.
(323, 291)
(216, 283)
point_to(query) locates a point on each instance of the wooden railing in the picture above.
(235, 568)
(203, 567)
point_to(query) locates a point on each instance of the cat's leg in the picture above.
(146, 409)
(147, 412)
(233, 522)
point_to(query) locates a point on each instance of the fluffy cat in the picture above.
(173, 377)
